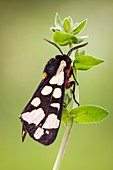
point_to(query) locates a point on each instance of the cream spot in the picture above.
(34, 116)
(57, 79)
(63, 63)
(61, 66)
(53, 80)
(61, 78)
(26, 116)
(47, 132)
(36, 101)
(46, 90)
(57, 93)
(23, 132)
(56, 105)
(51, 122)
(38, 133)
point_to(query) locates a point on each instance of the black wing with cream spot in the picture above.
(42, 116)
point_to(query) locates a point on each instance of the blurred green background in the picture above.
(23, 54)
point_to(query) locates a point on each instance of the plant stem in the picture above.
(66, 134)
(63, 145)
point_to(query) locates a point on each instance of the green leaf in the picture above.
(81, 53)
(79, 27)
(70, 20)
(89, 114)
(58, 22)
(81, 38)
(65, 116)
(86, 62)
(76, 53)
(63, 39)
(74, 26)
(66, 25)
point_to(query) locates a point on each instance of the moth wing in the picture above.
(42, 116)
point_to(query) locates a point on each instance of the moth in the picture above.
(41, 117)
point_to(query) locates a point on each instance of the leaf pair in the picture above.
(65, 32)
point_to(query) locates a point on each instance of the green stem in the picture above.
(66, 134)
(70, 45)
(63, 145)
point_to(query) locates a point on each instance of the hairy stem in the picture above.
(63, 145)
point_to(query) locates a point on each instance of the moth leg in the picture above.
(75, 78)
(72, 83)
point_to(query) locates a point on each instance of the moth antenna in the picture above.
(74, 48)
(54, 45)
